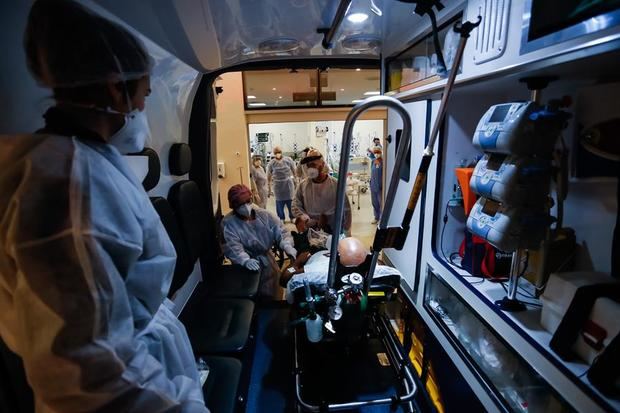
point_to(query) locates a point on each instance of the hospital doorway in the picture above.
(291, 138)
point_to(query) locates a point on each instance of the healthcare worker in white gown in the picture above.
(280, 176)
(249, 234)
(258, 180)
(85, 263)
(315, 198)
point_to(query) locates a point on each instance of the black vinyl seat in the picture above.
(233, 281)
(214, 325)
(220, 389)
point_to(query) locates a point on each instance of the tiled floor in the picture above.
(362, 218)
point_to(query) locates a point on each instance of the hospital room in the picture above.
(240, 206)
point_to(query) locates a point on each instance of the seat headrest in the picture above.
(150, 177)
(180, 159)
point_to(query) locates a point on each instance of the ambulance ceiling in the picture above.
(209, 34)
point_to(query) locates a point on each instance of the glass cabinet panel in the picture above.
(512, 382)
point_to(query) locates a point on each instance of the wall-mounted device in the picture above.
(512, 180)
(546, 23)
(507, 228)
(518, 128)
(221, 170)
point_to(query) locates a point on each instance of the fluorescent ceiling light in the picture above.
(353, 101)
(257, 104)
(342, 90)
(251, 97)
(358, 69)
(357, 17)
(372, 93)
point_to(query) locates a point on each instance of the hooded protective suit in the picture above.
(247, 239)
(282, 172)
(85, 267)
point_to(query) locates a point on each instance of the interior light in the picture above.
(273, 88)
(257, 104)
(251, 97)
(353, 101)
(342, 90)
(279, 97)
(372, 93)
(357, 17)
(358, 69)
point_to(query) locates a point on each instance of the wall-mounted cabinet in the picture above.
(459, 306)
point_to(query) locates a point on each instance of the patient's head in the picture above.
(352, 252)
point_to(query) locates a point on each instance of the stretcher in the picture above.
(346, 353)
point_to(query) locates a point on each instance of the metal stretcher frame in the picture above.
(401, 364)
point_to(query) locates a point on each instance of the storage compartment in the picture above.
(515, 385)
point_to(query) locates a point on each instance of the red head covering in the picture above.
(238, 195)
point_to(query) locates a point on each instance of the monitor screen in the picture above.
(499, 114)
(551, 16)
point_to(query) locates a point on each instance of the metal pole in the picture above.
(331, 32)
(345, 150)
(464, 29)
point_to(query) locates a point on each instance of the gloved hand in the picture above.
(252, 264)
(292, 252)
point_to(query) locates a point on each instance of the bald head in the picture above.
(352, 252)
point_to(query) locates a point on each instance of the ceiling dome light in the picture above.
(279, 45)
(356, 100)
(357, 17)
(372, 93)
(361, 42)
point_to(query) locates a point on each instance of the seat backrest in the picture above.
(184, 264)
(190, 209)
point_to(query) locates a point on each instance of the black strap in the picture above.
(62, 123)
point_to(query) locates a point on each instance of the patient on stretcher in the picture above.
(314, 267)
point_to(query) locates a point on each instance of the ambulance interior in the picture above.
(508, 298)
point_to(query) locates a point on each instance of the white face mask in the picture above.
(244, 210)
(132, 137)
(313, 173)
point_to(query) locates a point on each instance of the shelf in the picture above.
(591, 57)
(481, 298)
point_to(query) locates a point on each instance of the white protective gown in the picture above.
(313, 199)
(259, 180)
(85, 267)
(282, 172)
(247, 239)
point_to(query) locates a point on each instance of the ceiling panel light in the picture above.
(251, 97)
(361, 42)
(372, 93)
(278, 45)
(357, 17)
(358, 69)
(257, 104)
(353, 101)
